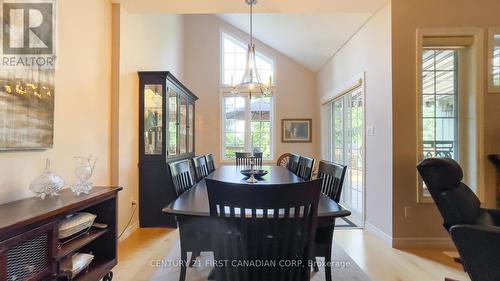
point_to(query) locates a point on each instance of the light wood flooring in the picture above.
(377, 259)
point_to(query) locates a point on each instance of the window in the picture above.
(234, 56)
(248, 125)
(439, 99)
(494, 60)
(496, 66)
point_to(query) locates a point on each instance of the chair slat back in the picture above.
(293, 162)
(200, 167)
(243, 158)
(305, 167)
(257, 156)
(210, 162)
(275, 223)
(181, 176)
(333, 175)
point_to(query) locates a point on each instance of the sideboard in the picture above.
(29, 244)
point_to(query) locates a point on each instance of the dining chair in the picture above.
(275, 224)
(243, 158)
(293, 162)
(257, 156)
(200, 167)
(332, 179)
(305, 168)
(193, 233)
(333, 175)
(181, 176)
(210, 162)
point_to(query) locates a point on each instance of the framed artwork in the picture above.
(27, 75)
(296, 130)
(494, 60)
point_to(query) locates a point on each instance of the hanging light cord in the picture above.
(251, 23)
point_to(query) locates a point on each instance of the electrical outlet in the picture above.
(133, 202)
(408, 212)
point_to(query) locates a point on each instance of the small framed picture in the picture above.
(296, 130)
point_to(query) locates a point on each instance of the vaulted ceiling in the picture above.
(263, 6)
(309, 39)
(308, 31)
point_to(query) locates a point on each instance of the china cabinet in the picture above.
(166, 134)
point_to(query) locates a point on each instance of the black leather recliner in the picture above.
(474, 230)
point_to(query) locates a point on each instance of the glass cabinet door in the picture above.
(191, 128)
(153, 101)
(172, 123)
(183, 126)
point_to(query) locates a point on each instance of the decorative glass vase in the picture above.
(47, 183)
(83, 172)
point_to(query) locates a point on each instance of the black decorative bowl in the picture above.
(256, 173)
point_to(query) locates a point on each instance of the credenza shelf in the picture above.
(73, 246)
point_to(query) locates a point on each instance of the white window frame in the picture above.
(248, 133)
(224, 34)
(478, 53)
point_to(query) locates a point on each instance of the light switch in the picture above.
(370, 131)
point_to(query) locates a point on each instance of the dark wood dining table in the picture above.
(192, 207)
(194, 202)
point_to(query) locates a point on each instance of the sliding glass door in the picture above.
(347, 148)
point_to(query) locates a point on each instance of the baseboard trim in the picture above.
(379, 233)
(423, 242)
(131, 229)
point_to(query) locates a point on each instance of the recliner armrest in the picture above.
(495, 215)
(479, 249)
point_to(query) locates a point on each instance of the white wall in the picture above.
(295, 92)
(147, 42)
(82, 102)
(368, 51)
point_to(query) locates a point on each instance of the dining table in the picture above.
(192, 207)
(194, 202)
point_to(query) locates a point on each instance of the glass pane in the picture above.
(445, 60)
(261, 126)
(428, 60)
(428, 127)
(234, 125)
(153, 102)
(172, 123)
(428, 106)
(445, 129)
(183, 126)
(445, 106)
(191, 128)
(496, 76)
(234, 54)
(445, 82)
(338, 136)
(428, 86)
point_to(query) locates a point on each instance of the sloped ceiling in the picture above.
(309, 39)
(263, 6)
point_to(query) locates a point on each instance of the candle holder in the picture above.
(252, 178)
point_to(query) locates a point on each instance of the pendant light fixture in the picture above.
(251, 81)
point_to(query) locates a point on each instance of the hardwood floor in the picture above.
(379, 261)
